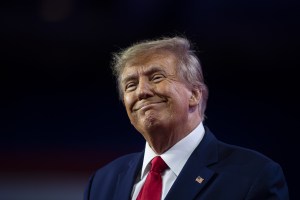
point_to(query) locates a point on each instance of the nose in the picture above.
(144, 89)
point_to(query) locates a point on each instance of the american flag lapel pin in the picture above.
(199, 179)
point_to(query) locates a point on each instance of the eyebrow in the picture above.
(149, 70)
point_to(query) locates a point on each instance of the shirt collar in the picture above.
(177, 155)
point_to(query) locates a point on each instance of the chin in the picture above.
(150, 121)
(148, 124)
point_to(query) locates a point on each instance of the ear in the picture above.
(195, 97)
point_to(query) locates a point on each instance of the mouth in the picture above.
(146, 105)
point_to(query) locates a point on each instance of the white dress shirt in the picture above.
(175, 158)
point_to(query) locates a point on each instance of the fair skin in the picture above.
(161, 106)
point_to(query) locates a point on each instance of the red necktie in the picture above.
(152, 188)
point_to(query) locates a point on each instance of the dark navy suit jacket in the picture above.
(228, 172)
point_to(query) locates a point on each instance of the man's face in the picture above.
(155, 97)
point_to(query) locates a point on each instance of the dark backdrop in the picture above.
(60, 118)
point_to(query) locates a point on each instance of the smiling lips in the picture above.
(145, 104)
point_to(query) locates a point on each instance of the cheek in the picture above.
(127, 103)
(181, 98)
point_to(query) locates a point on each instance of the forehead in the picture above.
(161, 61)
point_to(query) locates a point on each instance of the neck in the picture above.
(161, 140)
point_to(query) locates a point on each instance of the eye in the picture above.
(157, 78)
(130, 86)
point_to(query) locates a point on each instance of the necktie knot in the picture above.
(152, 188)
(158, 165)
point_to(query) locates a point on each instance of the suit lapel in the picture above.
(196, 174)
(126, 179)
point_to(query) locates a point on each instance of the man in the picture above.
(162, 87)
